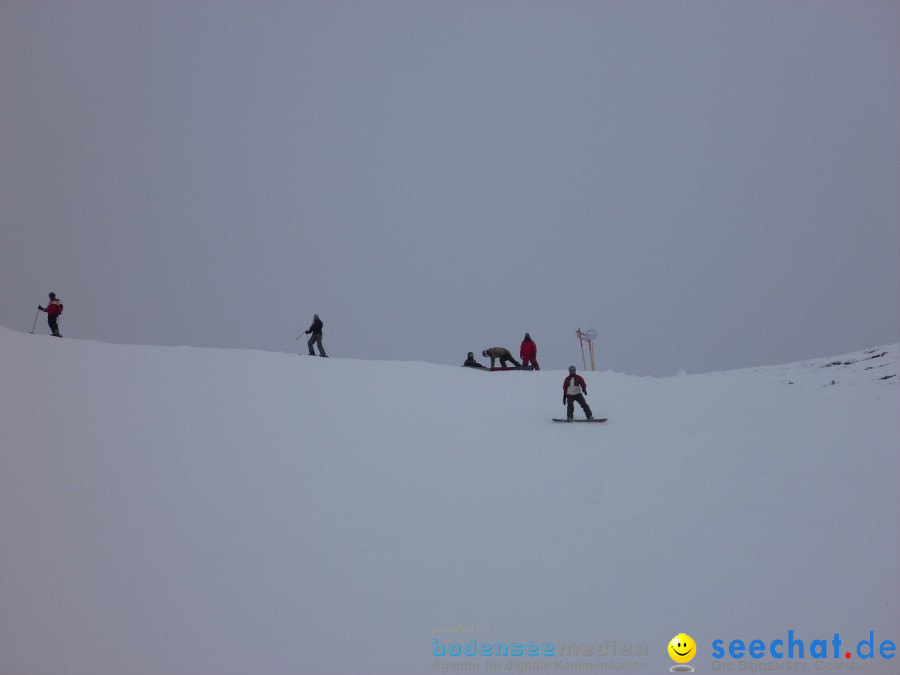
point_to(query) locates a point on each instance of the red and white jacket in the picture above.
(574, 385)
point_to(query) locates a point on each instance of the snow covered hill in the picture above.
(175, 510)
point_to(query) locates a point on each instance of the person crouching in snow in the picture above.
(501, 353)
(528, 352)
(575, 389)
(54, 309)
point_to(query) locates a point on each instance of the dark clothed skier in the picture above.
(501, 353)
(471, 362)
(54, 309)
(528, 352)
(575, 389)
(315, 332)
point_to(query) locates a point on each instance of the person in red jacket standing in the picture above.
(575, 389)
(54, 309)
(528, 352)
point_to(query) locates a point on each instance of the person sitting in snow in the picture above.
(575, 389)
(471, 362)
(501, 353)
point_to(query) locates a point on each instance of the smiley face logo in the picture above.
(682, 648)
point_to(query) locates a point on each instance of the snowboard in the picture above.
(496, 368)
(596, 419)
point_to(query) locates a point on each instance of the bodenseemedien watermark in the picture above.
(480, 654)
(558, 666)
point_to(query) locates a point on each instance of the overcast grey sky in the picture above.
(709, 185)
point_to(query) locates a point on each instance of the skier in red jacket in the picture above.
(575, 389)
(528, 352)
(54, 309)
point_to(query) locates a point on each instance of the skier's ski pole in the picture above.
(35, 321)
(298, 337)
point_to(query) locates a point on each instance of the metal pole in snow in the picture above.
(581, 342)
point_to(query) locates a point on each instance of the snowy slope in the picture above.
(175, 510)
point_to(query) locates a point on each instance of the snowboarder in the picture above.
(471, 362)
(54, 309)
(528, 352)
(501, 353)
(575, 389)
(315, 332)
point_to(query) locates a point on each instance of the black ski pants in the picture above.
(316, 339)
(504, 361)
(570, 405)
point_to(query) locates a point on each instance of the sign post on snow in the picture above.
(587, 336)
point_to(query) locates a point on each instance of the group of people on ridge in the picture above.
(527, 352)
(574, 386)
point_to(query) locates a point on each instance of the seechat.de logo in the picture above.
(868, 651)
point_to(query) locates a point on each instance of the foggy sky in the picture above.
(708, 185)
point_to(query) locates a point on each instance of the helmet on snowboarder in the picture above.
(571, 369)
(470, 355)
